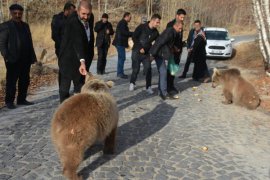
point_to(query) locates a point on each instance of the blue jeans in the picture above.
(121, 59)
(162, 69)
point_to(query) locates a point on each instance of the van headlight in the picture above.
(228, 45)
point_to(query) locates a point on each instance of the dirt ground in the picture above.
(249, 59)
(37, 80)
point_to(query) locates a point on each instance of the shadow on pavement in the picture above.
(124, 103)
(132, 133)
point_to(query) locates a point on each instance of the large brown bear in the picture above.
(235, 88)
(83, 119)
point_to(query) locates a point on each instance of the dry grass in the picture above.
(249, 59)
(44, 76)
(41, 34)
(236, 30)
(248, 56)
(2, 70)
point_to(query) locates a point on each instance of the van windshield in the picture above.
(217, 35)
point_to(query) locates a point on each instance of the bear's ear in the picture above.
(89, 76)
(110, 84)
(217, 72)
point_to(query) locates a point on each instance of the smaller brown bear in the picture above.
(83, 119)
(235, 88)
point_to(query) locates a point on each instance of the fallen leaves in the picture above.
(36, 81)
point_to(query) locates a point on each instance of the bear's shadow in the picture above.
(132, 133)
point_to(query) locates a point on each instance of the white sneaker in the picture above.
(131, 87)
(150, 91)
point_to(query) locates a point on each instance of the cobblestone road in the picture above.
(155, 140)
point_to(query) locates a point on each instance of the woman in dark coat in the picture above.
(200, 72)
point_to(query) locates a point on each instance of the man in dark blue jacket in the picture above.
(190, 42)
(16, 47)
(104, 32)
(143, 37)
(121, 42)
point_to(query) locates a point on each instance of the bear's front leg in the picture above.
(109, 144)
(228, 97)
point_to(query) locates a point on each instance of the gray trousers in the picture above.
(162, 69)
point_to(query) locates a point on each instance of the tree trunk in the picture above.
(106, 6)
(262, 19)
(1, 12)
(99, 9)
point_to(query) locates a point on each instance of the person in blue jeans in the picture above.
(121, 42)
(162, 50)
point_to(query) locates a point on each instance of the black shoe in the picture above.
(123, 76)
(183, 76)
(10, 105)
(25, 102)
(173, 91)
(164, 97)
(175, 96)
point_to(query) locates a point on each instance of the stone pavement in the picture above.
(156, 139)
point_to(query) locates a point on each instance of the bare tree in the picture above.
(1, 11)
(99, 9)
(106, 6)
(262, 19)
(149, 8)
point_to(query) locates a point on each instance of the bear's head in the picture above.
(219, 75)
(92, 83)
(216, 77)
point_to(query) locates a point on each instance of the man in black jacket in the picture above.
(57, 25)
(180, 16)
(121, 42)
(57, 28)
(75, 52)
(143, 37)
(16, 47)
(190, 42)
(162, 50)
(103, 41)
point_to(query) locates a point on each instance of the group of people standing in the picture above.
(149, 45)
(73, 34)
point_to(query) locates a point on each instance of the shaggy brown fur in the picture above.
(82, 120)
(235, 88)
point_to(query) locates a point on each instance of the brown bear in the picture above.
(83, 119)
(235, 88)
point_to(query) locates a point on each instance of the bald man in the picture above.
(76, 50)
(162, 50)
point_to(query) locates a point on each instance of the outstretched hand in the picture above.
(82, 69)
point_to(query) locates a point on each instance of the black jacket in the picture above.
(10, 45)
(164, 44)
(198, 51)
(143, 37)
(57, 28)
(92, 37)
(190, 38)
(74, 46)
(179, 38)
(122, 34)
(102, 36)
